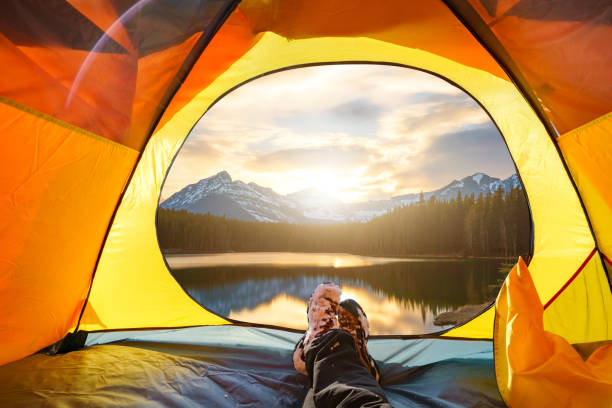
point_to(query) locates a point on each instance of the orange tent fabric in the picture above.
(49, 242)
(559, 47)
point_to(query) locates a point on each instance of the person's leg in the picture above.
(321, 314)
(341, 372)
(352, 319)
(337, 375)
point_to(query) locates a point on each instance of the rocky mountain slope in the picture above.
(221, 196)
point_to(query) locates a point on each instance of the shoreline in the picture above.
(449, 256)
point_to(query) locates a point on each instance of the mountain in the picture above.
(221, 196)
(478, 183)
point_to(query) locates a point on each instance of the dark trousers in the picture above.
(337, 376)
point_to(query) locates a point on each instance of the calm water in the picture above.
(400, 296)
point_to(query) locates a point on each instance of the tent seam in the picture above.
(59, 122)
(586, 126)
(608, 261)
(571, 279)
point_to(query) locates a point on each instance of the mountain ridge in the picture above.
(220, 195)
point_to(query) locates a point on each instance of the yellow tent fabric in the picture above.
(96, 102)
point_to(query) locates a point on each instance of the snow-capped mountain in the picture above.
(476, 184)
(220, 195)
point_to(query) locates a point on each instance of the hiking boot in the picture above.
(353, 320)
(321, 312)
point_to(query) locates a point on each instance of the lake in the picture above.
(399, 295)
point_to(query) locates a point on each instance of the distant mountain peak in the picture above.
(477, 177)
(219, 195)
(222, 176)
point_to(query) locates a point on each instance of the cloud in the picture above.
(323, 159)
(430, 116)
(369, 131)
(197, 157)
(456, 155)
(359, 109)
(198, 148)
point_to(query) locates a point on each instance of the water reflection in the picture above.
(386, 316)
(282, 310)
(399, 296)
(335, 260)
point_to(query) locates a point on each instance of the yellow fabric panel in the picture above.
(583, 311)
(481, 327)
(562, 239)
(59, 186)
(536, 368)
(132, 255)
(588, 153)
(132, 287)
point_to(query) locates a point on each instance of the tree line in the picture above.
(497, 224)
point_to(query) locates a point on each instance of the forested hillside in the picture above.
(494, 225)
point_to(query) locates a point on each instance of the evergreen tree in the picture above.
(497, 224)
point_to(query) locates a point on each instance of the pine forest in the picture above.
(497, 224)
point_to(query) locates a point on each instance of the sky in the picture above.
(357, 132)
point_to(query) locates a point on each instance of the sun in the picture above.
(340, 187)
(329, 184)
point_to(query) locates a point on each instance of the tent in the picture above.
(96, 99)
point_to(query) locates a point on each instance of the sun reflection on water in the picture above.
(277, 259)
(283, 310)
(385, 315)
(399, 296)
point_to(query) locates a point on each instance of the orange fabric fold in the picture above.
(536, 368)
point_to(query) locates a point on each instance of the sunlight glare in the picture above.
(329, 184)
(349, 293)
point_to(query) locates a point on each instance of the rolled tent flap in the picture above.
(536, 368)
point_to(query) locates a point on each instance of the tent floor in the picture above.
(232, 366)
